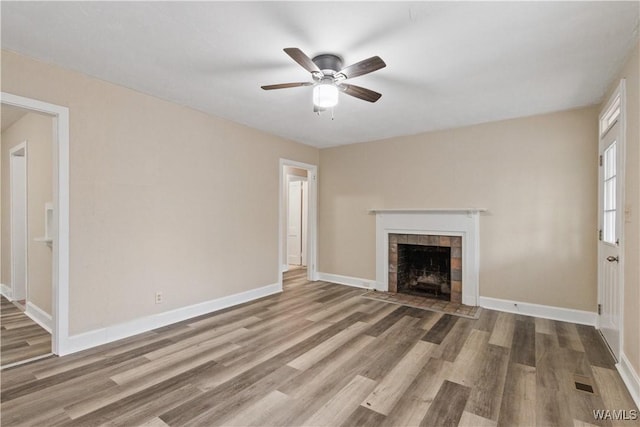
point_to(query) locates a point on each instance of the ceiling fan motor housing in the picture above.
(328, 62)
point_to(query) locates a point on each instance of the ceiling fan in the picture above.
(329, 76)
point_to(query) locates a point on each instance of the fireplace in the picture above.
(457, 229)
(426, 265)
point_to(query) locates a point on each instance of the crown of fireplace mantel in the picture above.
(429, 210)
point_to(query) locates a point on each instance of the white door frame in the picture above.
(312, 218)
(620, 93)
(60, 232)
(21, 292)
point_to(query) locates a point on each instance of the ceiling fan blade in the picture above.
(360, 92)
(302, 59)
(286, 85)
(363, 67)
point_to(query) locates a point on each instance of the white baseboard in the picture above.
(537, 310)
(346, 280)
(284, 268)
(630, 377)
(6, 292)
(39, 316)
(101, 336)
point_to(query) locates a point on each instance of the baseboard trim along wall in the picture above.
(630, 377)
(39, 316)
(6, 292)
(346, 280)
(106, 335)
(537, 310)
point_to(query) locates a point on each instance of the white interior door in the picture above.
(610, 209)
(294, 224)
(18, 220)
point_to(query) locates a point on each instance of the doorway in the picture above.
(611, 153)
(27, 265)
(58, 214)
(298, 216)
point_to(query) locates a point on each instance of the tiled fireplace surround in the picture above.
(453, 242)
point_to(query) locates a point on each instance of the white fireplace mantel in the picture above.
(428, 210)
(464, 222)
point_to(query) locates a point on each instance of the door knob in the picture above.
(612, 258)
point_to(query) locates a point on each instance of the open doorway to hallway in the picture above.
(26, 249)
(297, 202)
(298, 217)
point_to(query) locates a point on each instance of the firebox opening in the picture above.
(425, 271)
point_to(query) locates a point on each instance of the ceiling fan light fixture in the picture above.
(325, 95)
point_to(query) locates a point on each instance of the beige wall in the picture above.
(156, 203)
(536, 175)
(631, 341)
(37, 130)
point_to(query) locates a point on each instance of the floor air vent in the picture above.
(584, 387)
(583, 383)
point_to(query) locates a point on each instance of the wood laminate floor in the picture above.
(318, 354)
(21, 338)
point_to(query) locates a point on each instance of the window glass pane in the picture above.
(610, 194)
(614, 116)
(609, 227)
(610, 161)
(612, 191)
(610, 116)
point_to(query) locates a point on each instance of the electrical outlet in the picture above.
(158, 297)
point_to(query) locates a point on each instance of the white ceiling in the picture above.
(449, 64)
